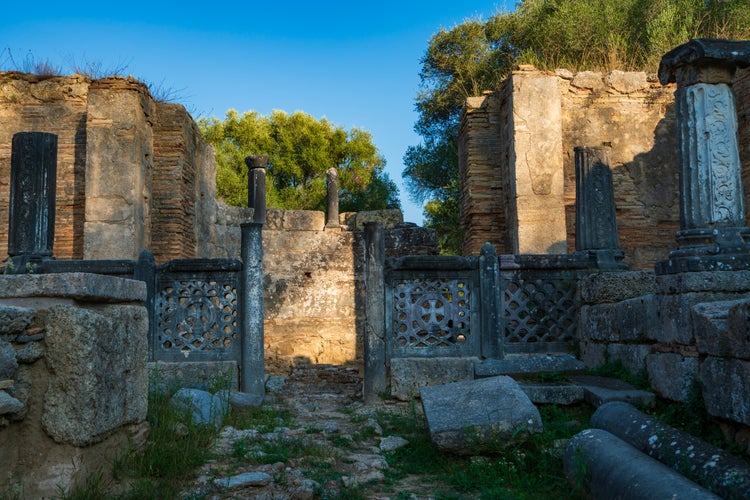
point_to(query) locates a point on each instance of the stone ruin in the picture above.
(685, 324)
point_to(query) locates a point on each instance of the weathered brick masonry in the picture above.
(516, 150)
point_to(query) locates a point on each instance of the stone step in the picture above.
(599, 390)
(559, 393)
(519, 365)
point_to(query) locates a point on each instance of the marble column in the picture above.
(712, 233)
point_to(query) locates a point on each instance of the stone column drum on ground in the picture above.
(712, 232)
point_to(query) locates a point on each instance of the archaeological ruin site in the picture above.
(604, 220)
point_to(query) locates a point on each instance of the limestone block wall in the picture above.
(313, 279)
(73, 379)
(517, 163)
(688, 332)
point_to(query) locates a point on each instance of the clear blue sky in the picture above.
(355, 63)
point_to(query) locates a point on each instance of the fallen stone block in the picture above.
(479, 415)
(719, 471)
(607, 467)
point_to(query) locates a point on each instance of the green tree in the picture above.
(478, 55)
(301, 149)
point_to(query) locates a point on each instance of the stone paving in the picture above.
(344, 446)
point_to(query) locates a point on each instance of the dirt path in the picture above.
(322, 442)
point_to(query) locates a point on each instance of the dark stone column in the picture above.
(332, 185)
(256, 186)
(376, 373)
(145, 270)
(596, 223)
(712, 233)
(252, 311)
(492, 326)
(31, 227)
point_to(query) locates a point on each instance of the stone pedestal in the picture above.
(712, 232)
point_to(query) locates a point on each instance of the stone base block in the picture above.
(600, 390)
(616, 286)
(551, 393)
(408, 375)
(732, 377)
(521, 364)
(203, 375)
(672, 376)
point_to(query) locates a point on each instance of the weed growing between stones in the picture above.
(532, 469)
(175, 448)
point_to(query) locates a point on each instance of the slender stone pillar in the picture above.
(492, 322)
(256, 186)
(596, 223)
(252, 311)
(712, 232)
(31, 227)
(376, 373)
(332, 185)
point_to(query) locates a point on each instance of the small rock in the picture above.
(275, 383)
(372, 424)
(205, 408)
(180, 430)
(243, 480)
(390, 443)
(29, 353)
(9, 404)
(369, 476)
(245, 399)
(8, 363)
(330, 427)
(305, 490)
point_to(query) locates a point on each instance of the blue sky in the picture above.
(355, 63)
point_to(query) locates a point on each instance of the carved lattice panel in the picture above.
(431, 313)
(539, 310)
(197, 317)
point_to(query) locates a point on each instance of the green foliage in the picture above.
(577, 34)
(301, 149)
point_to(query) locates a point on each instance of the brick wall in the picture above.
(58, 106)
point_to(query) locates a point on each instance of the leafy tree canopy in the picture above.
(300, 149)
(477, 55)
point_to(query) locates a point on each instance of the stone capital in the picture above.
(704, 60)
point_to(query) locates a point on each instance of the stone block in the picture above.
(726, 388)
(98, 380)
(705, 281)
(389, 218)
(409, 374)
(630, 320)
(528, 364)
(716, 335)
(588, 80)
(600, 390)
(627, 82)
(14, 320)
(204, 408)
(479, 415)
(78, 286)
(671, 375)
(592, 353)
(552, 393)
(303, 220)
(598, 288)
(632, 356)
(674, 316)
(202, 375)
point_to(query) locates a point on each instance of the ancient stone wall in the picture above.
(73, 379)
(511, 150)
(132, 173)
